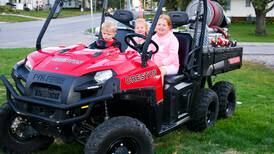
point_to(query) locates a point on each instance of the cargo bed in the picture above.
(221, 59)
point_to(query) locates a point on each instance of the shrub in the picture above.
(6, 9)
(250, 20)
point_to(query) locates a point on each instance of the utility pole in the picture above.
(128, 6)
(140, 9)
(95, 6)
(82, 6)
(92, 19)
(91, 6)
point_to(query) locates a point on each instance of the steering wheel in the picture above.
(131, 42)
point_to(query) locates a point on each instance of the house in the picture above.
(234, 8)
(72, 3)
(40, 4)
(3, 2)
(242, 8)
(31, 4)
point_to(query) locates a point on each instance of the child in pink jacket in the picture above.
(167, 57)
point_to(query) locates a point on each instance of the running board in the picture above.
(167, 127)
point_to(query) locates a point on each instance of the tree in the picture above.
(181, 5)
(170, 4)
(176, 5)
(224, 3)
(261, 8)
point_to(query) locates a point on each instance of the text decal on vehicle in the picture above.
(140, 76)
(48, 79)
(234, 60)
(67, 60)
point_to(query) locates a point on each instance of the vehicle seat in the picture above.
(120, 36)
(124, 17)
(178, 19)
(185, 42)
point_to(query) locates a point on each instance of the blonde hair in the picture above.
(109, 26)
(142, 21)
(167, 19)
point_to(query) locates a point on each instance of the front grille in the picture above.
(45, 91)
(50, 112)
(41, 110)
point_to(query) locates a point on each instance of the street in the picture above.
(63, 31)
(259, 52)
(68, 31)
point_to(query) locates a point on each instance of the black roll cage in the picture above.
(196, 52)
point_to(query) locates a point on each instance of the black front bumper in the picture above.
(56, 114)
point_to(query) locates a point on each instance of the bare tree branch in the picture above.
(269, 1)
(270, 8)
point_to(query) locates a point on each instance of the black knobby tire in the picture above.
(205, 112)
(227, 98)
(3, 116)
(120, 135)
(11, 143)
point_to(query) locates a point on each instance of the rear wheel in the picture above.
(227, 98)
(18, 136)
(205, 111)
(120, 135)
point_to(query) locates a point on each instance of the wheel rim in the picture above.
(230, 103)
(124, 145)
(211, 113)
(21, 130)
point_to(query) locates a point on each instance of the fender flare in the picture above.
(4, 111)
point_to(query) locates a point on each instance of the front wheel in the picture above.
(18, 136)
(120, 135)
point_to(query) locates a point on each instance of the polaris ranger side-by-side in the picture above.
(113, 101)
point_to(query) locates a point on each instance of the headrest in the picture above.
(178, 18)
(123, 15)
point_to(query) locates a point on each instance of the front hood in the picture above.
(78, 60)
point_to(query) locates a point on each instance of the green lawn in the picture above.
(246, 33)
(250, 130)
(4, 18)
(40, 14)
(64, 13)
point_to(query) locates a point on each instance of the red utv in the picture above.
(112, 101)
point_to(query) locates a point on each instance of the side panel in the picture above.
(220, 60)
(149, 77)
(177, 107)
(177, 101)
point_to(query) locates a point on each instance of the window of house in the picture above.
(247, 3)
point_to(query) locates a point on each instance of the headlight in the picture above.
(21, 62)
(28, 65)
(102, 76)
